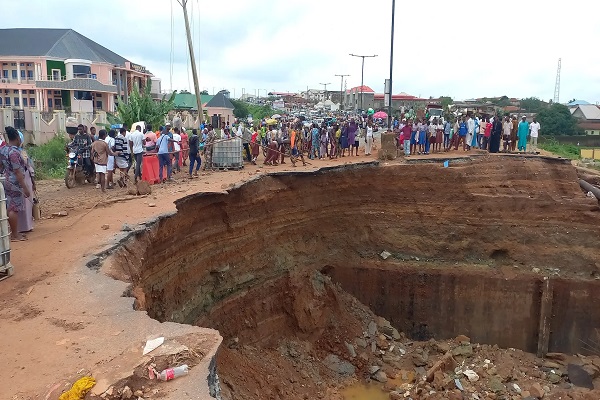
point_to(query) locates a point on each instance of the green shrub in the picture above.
(569, 151)
(49, 159)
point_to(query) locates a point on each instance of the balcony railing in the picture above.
(64, 77)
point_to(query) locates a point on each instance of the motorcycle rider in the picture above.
(83, 144)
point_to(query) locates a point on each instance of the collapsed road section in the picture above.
(319, 279)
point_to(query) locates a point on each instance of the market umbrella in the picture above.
(275, 116)
(271, 121)
(370, 111)
(380, 114)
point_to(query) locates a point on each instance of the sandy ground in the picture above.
(60, 319)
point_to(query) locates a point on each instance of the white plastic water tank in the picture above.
(6, 268)
(228, 154)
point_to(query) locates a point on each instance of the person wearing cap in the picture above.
(522, 133)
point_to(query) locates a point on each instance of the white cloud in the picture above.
(461, 48)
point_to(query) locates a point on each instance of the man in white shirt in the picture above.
(535, 131)
(136, 142)
(470, 132)
(176, 148)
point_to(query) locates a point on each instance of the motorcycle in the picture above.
(76, 173)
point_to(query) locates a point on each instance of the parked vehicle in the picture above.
(75, 173)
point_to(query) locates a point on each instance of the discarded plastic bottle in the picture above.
(172, 373)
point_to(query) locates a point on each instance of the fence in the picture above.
(591, 154)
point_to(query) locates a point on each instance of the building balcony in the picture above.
(84, 82)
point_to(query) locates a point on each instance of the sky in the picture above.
(460, 48)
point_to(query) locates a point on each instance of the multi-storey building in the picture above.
(60, 69)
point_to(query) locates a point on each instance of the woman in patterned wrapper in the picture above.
(15, 188)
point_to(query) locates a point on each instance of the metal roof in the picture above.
(220, 101)
(589, 111)
(54, 43)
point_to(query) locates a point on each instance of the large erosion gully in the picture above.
(503, 249)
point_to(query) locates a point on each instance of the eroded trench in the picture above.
(288, 266)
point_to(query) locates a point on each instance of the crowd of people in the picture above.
(110, 155)
(417, 136)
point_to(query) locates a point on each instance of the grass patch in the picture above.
(569, 151)
(49, 159)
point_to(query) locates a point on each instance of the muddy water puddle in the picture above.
(374, 391)
(361, 391)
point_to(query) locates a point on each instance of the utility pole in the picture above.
(362, 76)
(342, 89)
(325, 84)
(183, 3)
(391, 66)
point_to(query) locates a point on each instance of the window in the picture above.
(98, 94)
(14, 74)
(16, 91)
(22, 74)
(0, 101)
(57, 92)
(24, 101)
(56, 74)
(57, 103)
(49, 103)
(5, 73)
(49, 92)
(22, 64)
(32, 92)
(32, 102)
(29, 74)
(83, 95)
(16, 101)
(81, 71)
(30, 64)
(99, 104)
(7, 101)
(13, 64)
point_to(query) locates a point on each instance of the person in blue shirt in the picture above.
(462, 134)
(164, 156)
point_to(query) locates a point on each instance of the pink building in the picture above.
(60, 69)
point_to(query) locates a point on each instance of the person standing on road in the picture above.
(136, 141)
(110, 165)
(164, 157)
(406, 134)
(100, 154)
(496, 135)
(122, 157)
(15, 188)
(506, 130)
(535, 132)
(185, 146)
(208, 148)
(522, 134)
(369, 138)
(177, 148)
(470, 133)
(194, 143)
(463, 130)
(513, 133)
(246, 137)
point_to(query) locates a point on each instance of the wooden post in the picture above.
(183, 4)
(545, 317)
